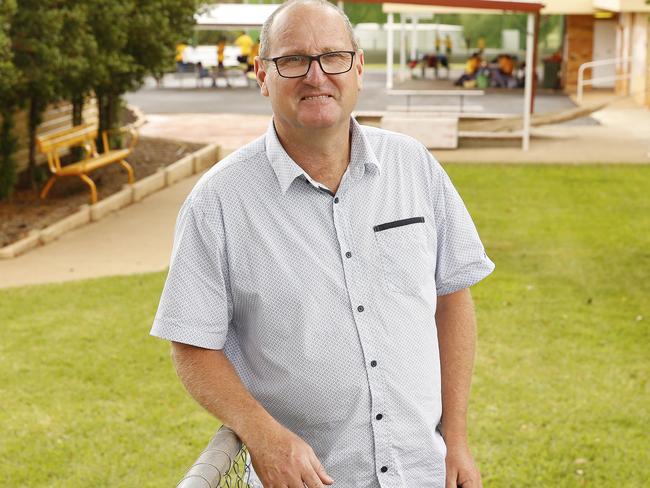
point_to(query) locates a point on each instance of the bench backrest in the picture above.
(54, 142)
(73, 136)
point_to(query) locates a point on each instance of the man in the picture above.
(317, 295)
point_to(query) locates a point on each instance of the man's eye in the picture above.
(335, 56)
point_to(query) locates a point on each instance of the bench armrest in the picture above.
(127, 129)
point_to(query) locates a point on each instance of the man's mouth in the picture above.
(316, 97)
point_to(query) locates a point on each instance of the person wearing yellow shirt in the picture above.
(179, 56)
(448, 45)
(245, 44)
(221, 48)
(472, 64)
(255, 51)
(220, 71)
(471, 69)
(503, 73)
(481, 44)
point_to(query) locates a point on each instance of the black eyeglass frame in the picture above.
(311, 60)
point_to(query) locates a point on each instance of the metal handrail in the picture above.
(603, 62)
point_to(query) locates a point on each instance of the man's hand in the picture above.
(461, 469)
(281, 459)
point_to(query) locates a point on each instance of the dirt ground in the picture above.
(26, 211)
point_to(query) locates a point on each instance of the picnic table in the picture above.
(461, 94)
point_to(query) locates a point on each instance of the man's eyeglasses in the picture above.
(298, 65)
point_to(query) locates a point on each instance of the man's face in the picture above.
(317, 100)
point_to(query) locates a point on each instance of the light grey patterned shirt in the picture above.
(325, 303)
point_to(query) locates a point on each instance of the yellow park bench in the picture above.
(83, 136)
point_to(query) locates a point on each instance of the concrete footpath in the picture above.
(139, 238)
(136, 239)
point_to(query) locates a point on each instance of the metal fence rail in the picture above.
(223, 464)
(625, 62)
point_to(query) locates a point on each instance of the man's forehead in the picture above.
(302, 27)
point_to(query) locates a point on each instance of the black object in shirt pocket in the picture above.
(405, 255)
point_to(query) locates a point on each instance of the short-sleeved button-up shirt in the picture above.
(325, 303)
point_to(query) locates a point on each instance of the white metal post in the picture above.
(389, 52)
(530, 70)
(402, 47)
(627, 51)
(414, 37)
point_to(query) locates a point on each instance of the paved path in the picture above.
(186, 97)
(136, 239)
(139, 238)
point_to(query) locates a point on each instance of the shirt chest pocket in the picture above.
(406, 259)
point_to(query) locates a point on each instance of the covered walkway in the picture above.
(530, 7)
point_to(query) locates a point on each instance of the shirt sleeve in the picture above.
(461, 260)
(195, 307)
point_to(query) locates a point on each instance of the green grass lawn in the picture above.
(560, 397)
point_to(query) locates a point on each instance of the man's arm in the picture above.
(280, 457)
(456, 325)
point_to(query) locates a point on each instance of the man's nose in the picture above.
(315, 73)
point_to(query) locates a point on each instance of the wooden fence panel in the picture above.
(56, 117)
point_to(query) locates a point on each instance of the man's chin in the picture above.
(315, 122)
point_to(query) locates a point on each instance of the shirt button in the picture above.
(373, 363)
(360, 308)
(384, 469)
(379, 416)
(336, 200)
(348, 254)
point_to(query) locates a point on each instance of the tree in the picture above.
(8, 80)
(490, 27)
(156, 27)
(114, 66)
(134, 40)
(364, 12)
(35, 32)
(78, 49)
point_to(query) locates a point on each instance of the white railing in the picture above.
(625, 75)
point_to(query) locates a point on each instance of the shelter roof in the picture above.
(568, 7)
(458, 6)
(623, 5)
(233, 16)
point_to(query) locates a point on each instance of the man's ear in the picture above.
(260, 75)
(359, 68)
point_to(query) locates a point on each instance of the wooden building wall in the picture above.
(579, 47)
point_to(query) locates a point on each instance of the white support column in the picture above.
(627, 53)
(528, 89)
(414, 37)
(402, 47)
(389, 52)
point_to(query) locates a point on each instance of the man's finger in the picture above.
(451, 480)
(320, 471)
(311, 479)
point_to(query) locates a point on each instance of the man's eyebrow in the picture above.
(303, 52)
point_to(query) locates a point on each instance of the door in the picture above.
(604, 48)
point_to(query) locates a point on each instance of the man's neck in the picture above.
(323, 154)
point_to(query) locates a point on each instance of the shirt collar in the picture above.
(286, 170)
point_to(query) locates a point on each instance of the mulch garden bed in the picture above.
(26, 211)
